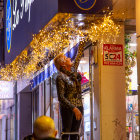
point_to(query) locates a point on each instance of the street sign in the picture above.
(113, 54)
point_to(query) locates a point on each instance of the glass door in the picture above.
(47, 97)
(35, 104)
(55, 114)
(86, 99)
(86, 70)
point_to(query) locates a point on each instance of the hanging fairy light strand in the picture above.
(56, 38)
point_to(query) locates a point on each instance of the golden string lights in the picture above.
(107, 28)
(55, 38)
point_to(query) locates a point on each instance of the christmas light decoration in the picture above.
(55, 37)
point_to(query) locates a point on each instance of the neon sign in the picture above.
(85, 4)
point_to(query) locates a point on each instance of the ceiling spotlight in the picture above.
(135, 33)
(133, 44)
(81, 24)
(83, 62)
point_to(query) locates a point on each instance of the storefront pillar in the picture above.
(15, 127)
(138, 51)
(109, 97)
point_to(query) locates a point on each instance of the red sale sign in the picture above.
(113, 54)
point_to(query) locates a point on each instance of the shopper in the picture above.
(43, 129)
(68, 84)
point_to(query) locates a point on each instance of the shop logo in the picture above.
(85, 4)
(8, 25)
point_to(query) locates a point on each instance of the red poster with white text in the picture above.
(113, 54)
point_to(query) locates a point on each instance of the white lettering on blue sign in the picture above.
(8, 25)
(24, 5)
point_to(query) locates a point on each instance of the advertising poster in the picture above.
(113, 54)
(6, 90)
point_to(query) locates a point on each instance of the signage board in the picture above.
(22, 19)
(113, 54)
(6, 90)
(8, 25)
(84, 6)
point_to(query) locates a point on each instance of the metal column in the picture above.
(91, 95)
(15, 134)
(137, 4)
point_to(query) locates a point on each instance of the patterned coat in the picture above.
(66, 87)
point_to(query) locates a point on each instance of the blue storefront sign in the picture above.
(84, 6)
(8, 25)
(23, 18)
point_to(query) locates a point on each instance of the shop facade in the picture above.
(47, 91)
(7, 111)
(40, 95)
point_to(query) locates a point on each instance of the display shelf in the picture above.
(131, 111)
(132, 126)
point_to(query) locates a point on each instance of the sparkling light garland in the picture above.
(55, 38)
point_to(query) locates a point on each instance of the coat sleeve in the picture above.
(79, 55)
(60, 84)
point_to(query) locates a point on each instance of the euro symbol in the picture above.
(83, 1)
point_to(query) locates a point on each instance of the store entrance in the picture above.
(35, 103)
(84, 69)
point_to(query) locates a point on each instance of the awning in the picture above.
(50, 70)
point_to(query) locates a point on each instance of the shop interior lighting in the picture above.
(133, 44)
(135, 33)
(81, 24)
(83, 62)
(80, 17)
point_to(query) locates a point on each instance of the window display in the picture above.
(84, 71)
(132, 124)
